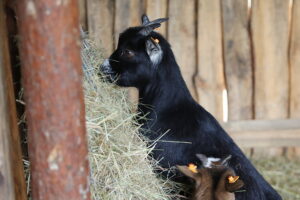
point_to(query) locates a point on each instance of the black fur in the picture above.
(183, 126)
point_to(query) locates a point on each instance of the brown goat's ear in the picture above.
(226, 184)
(186, 171)
(232, 187)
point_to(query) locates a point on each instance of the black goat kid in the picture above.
(144, 59)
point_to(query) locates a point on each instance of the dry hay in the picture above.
(282, 173)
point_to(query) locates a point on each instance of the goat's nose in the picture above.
(105, 67)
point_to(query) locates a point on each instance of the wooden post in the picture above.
(12, 182)
(52, 79)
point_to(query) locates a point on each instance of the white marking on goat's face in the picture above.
(105, 67)
(154, 51)
(210, 161)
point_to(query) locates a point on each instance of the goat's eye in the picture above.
(127, 53)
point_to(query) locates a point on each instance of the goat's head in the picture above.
(139, 52)
(213, 181)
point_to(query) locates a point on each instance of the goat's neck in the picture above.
(204, 190)
(166, 91)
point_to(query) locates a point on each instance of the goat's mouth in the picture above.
(107, 71)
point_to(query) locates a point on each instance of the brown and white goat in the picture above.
(213, 180)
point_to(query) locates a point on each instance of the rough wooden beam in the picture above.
(270, 47)
(12, 182)
(237, 59)
(52, 79)
(265, 133)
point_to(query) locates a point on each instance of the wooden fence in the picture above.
(251, 49)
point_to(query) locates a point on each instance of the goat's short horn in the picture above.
(145, 19)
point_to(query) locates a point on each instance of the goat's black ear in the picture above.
(146, 30)
(149, 26)
(145, 19)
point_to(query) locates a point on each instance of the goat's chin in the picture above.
(122, 83)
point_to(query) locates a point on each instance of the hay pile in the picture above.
(119, 161)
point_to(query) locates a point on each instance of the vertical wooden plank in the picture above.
(237, 59)
(128, 13)
(210, 75)
(12, 182)
(270, 31)
(294, 56)
(270, 42)
(157, 9)
(100, 24)
(52, 79)
(83, 13)
(295, 61)
(182, 37)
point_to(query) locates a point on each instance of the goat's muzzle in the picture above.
(106, 70)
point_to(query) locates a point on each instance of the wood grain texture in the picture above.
(265, 133)
(182, 37)
(237, 59)
(100, 24)
(127, 14)
(210, 75)
(157, 9)
(295, 61)
(52, 80)
(270, 33)
(270, 46)
(12, 182)
(82, 4)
